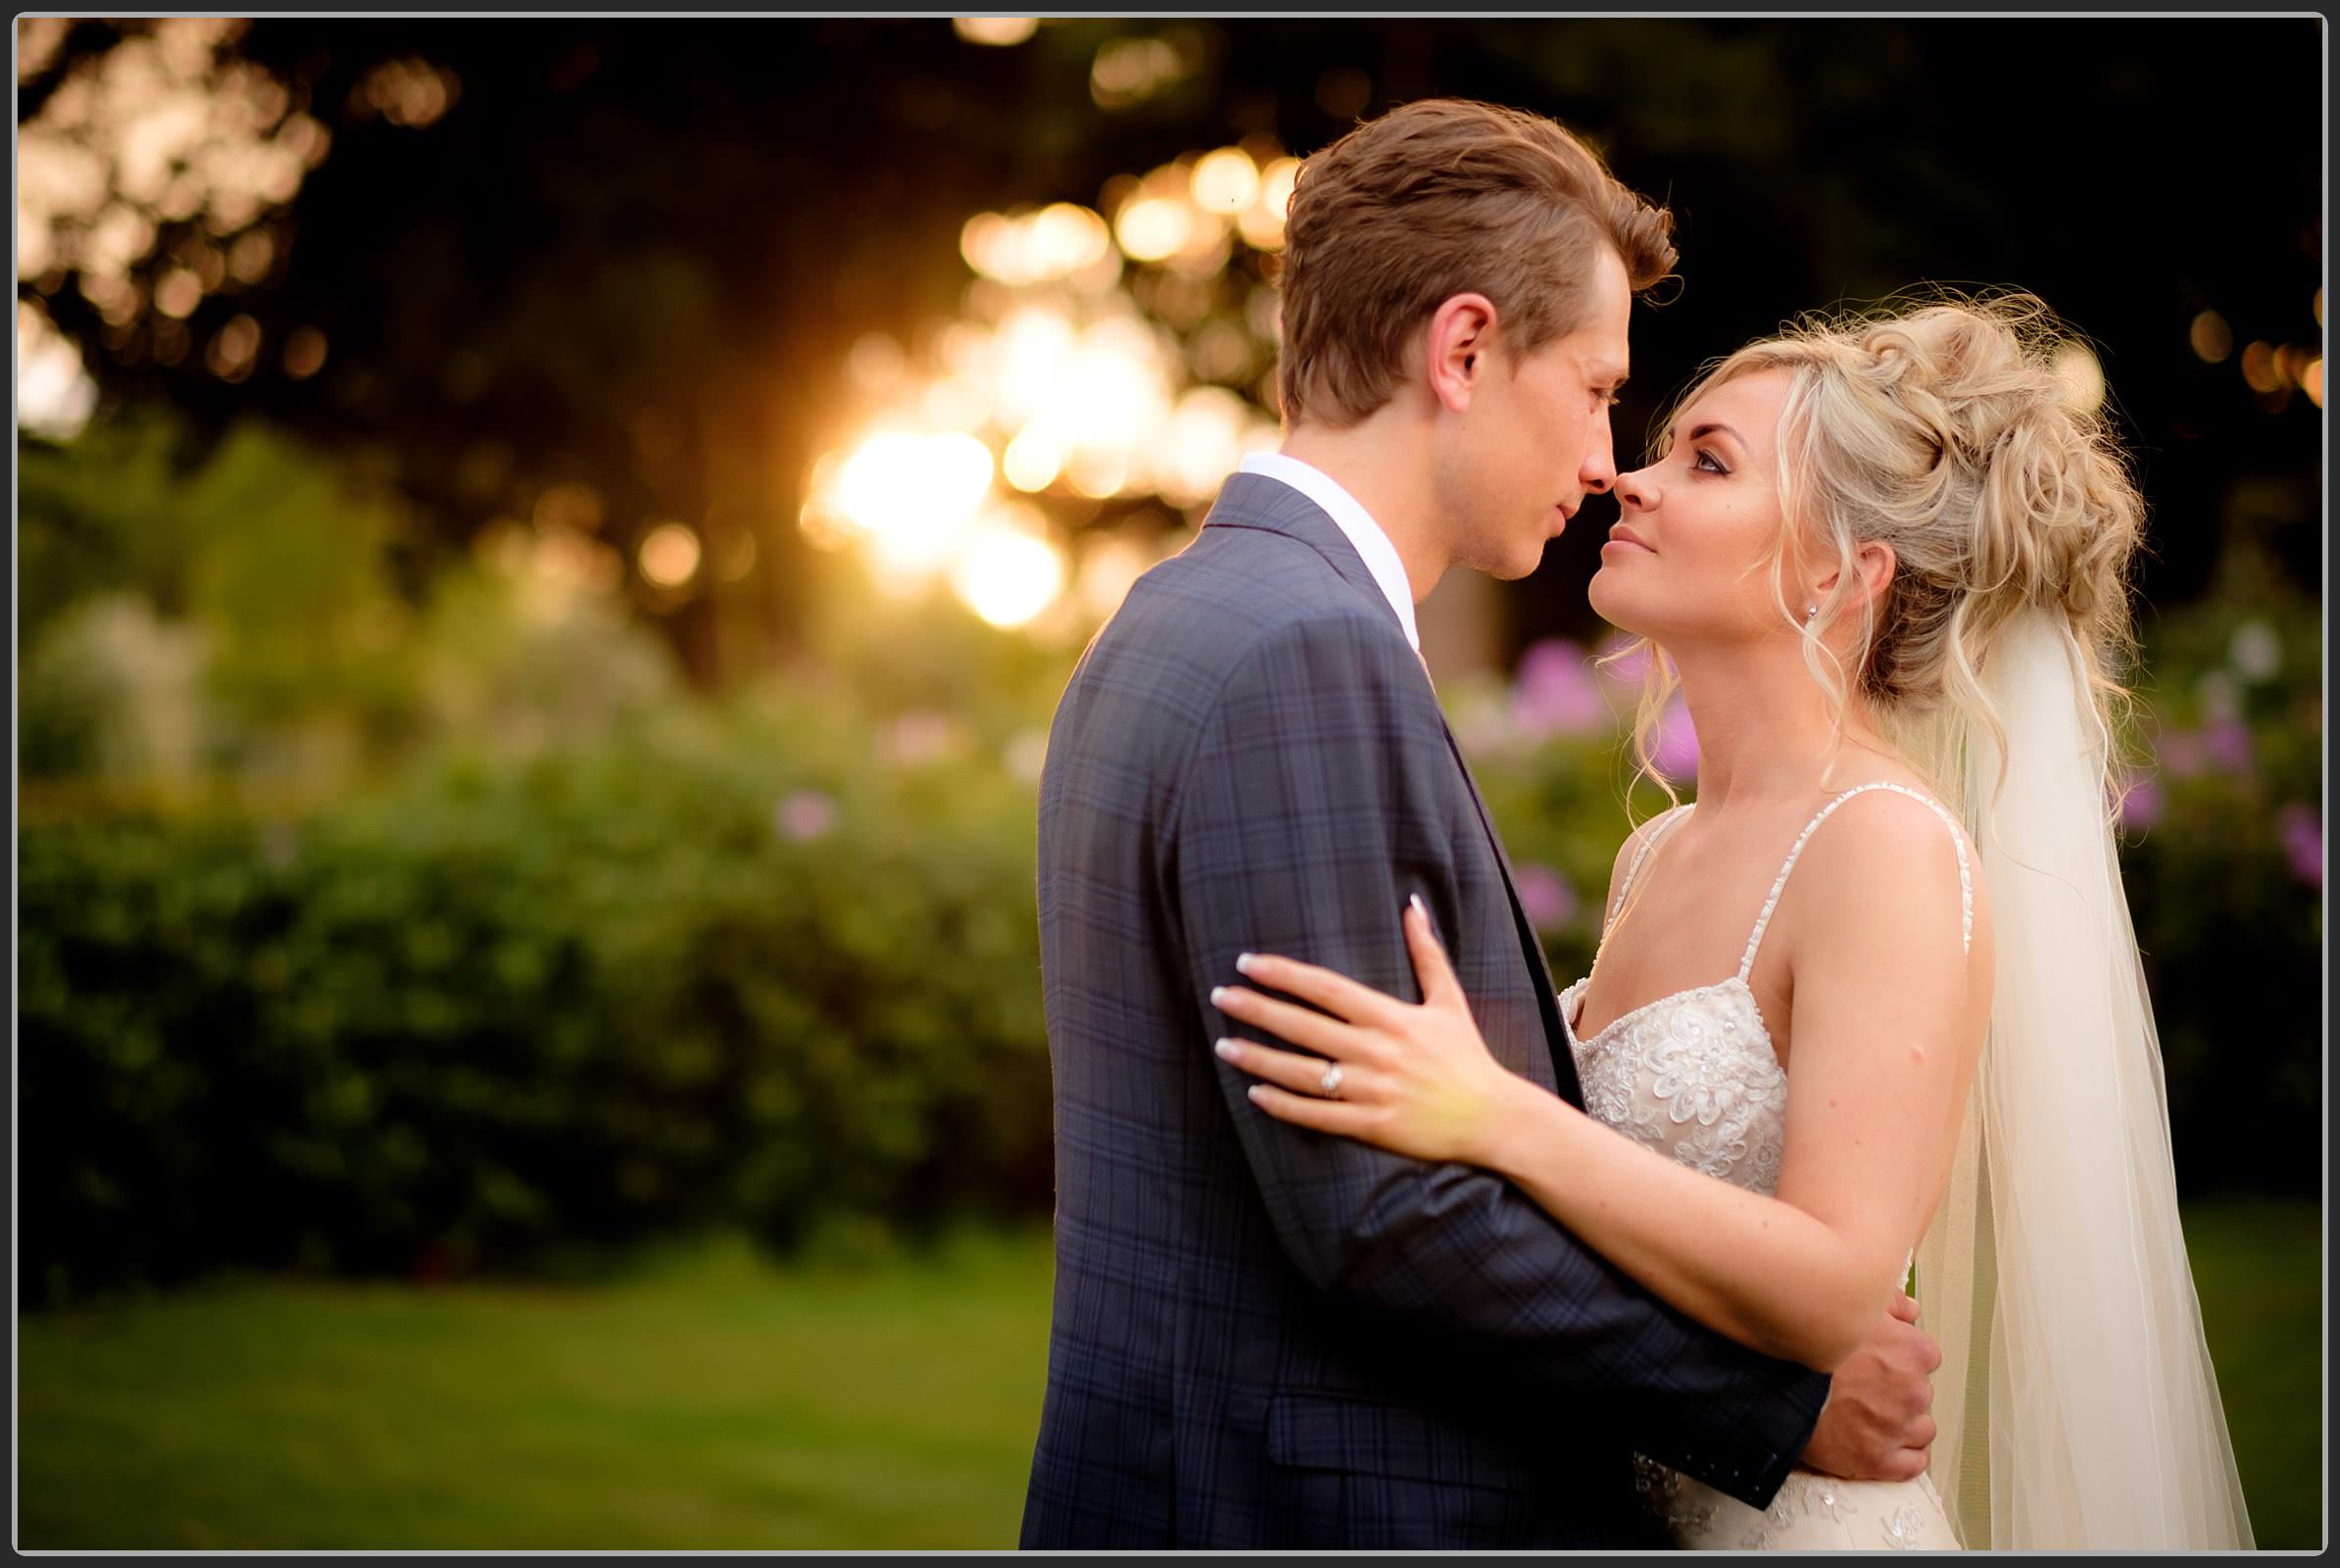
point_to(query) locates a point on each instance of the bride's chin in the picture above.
(1597, 595)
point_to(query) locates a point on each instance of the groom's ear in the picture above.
(1462, 330)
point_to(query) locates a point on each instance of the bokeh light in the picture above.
(408, 93)
(177, 292)
(1129, 71)
(1152, 229)
(668, 555)
(1033, 460)
(1007, 572)
(1097, 360)
(913, 493)
(2082, 377)
(55, 396)
(2211, 338)
(2259, 368)
(997, 31)
(1019, 249)
(234, 349)
(1225, 182)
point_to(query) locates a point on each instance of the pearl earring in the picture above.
(1810, 610)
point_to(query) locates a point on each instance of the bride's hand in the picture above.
(1416, 1080)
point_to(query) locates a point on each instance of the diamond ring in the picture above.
(1329, 1087)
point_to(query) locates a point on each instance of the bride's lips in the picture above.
(1622, 538)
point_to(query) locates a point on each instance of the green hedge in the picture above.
(772, 970)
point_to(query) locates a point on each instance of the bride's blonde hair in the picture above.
(1953, 431)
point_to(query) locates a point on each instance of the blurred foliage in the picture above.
(190, 610)
(770, 965)
(2223, 866)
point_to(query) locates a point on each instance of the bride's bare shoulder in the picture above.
(1896, 852)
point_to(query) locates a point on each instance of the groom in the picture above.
(1264, 1336)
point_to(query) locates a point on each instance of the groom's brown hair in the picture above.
(1435, 199)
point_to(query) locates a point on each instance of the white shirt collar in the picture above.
(1372, 545)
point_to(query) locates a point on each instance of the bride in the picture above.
(1879, 979)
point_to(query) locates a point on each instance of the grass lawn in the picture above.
(713, 1404)
(717, 1402)
(2259, 1269)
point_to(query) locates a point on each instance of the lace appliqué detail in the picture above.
(1692, 1077)
(1664, 1494)
(1903, 1529)
(1800, 1495)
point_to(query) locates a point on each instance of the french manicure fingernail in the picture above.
(1225, 1047)
(1419, 909)
(1254, 1091)
(1242, 962)
(1216, 992)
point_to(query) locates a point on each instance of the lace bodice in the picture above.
(1693, 1075)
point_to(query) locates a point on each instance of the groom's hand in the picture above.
(1875, 1426)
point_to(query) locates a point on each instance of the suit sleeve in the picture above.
(1303, 823)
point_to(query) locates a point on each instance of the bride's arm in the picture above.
(1883, 1046)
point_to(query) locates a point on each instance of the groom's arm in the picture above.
(1305, 817)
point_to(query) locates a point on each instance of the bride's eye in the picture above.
(1708, 463)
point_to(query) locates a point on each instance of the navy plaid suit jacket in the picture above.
(1265, 1336)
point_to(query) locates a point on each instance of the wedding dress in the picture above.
(1693, 1075)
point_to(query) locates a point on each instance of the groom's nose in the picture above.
(1599, 476)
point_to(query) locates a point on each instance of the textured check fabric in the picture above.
(1264, 1336)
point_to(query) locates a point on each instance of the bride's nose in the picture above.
(1636, 491)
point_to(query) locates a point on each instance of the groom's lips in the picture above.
(1566, 512)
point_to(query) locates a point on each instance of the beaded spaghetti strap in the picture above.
(1658, 829)
(1966, 882)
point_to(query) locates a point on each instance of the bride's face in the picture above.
(1690, 556)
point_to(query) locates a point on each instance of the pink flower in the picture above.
(1555, 693)
(920, 737)
(2182, 753)
(2227, 743)
(806, 814)
(2303, 842)
(2141, 806)
(1675, 744)
(1544, 894)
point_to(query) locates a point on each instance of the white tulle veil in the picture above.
(2076, 1402)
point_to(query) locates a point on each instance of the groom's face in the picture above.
(1536, 441)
